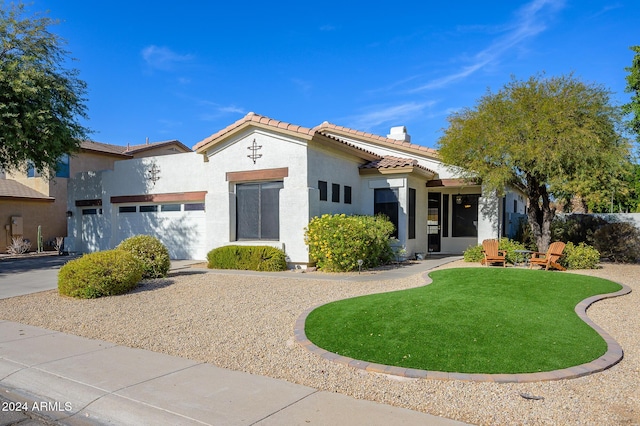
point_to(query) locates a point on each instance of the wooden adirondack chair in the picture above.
(550, 258)
(492, 254)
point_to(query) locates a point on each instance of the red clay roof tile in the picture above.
(391, 162)
(321, 129)
(387, 141)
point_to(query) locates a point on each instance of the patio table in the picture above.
(526, 254)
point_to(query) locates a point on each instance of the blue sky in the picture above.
(184, 70)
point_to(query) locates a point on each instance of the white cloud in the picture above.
(303, 86)
(163, 58)
(218, 111)
(395, 115)
(530, 21)
(232, 109)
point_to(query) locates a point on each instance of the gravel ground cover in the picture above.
(245, 323)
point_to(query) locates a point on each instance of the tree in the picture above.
(549, 136)
(633, 87)
(40, 100)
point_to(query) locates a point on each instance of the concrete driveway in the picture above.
(30, 274)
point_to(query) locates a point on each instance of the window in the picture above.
(258, 211)
(445, 215)
(170, 208)
(148, 209)
(386, 203)
(335, 192)
(515, 206)
(31, 171)
(347, 194)
(62, 168)
(322, 186)
(193, 207)
(127, 209)
(412, 213)
(465, 216)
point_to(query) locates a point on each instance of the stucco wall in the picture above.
(177, 174)
(89, 161)
(85, 186)
(277, 151)
(419, 243)
(33, 213)
(334, 168)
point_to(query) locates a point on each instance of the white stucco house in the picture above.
(260, 181)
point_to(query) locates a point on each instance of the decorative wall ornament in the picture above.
(153, 173)
(254, 147)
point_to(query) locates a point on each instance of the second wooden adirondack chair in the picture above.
(550, 258)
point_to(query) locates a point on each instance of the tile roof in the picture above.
(376, 138)
(322, 130)
(255, 118)
(129, 149)
(10, 188)
(368, 153)
(104, 148)
(391, 162)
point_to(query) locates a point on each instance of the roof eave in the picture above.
(398, 170)
(345, 147)
(380, 141)
(206, 144)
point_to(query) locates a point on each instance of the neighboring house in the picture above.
(29, 200)
(260, 181)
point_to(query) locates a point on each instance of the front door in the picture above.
(434, 221)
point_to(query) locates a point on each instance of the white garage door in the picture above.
(180, 227)
(93, 230)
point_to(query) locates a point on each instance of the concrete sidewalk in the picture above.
(390, 272)
(79, 381)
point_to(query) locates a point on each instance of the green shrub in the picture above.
(475, 254)
(105, 273)
(253, 258)
(337, 242)
(618, 242)
(153, 255)
(576, 228)
(580, 256)
(524, 234)
(511, 246)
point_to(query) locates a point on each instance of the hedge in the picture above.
(105, 273)
(153, 255)
(253, 258)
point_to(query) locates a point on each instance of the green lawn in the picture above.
(469, 320)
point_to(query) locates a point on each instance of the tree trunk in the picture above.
(540, 213)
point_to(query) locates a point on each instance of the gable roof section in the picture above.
(251, 119)
(391, 164)
(11, 189)
(134, 149)
(259, 121)
(104, 148)
(378, 140)
(130, 150)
